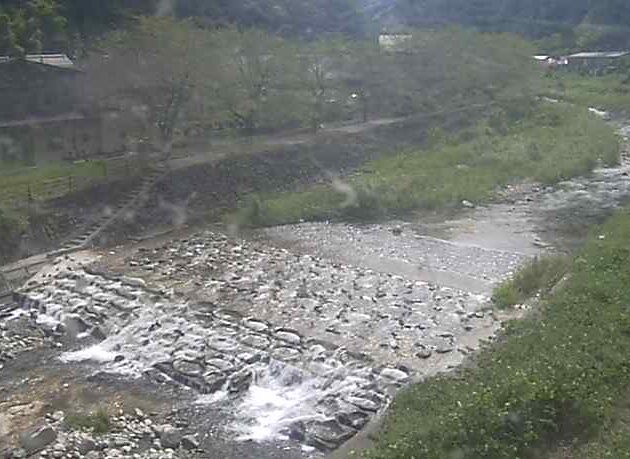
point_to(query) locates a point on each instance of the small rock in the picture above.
(397, 230)
(98, 334)
(424, 354)
(18, 453)
(170, 437)
(38, 438)
(189, 442)
(86, 445)
(395, 374)
(444, 349)
(468, 204)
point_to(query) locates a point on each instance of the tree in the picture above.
(252, 69)
(320, 72)
(34, 27)
(8, 41)
(151, 70)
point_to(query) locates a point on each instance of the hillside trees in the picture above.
(150, 71)
(34, 26)
(175, 75)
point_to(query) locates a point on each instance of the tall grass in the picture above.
(551, 144)
(538, 277)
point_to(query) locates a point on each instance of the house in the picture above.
(394, 42)
(43, 115)
(597, 62)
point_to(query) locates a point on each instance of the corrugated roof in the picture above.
(53, 60)
(600, 54)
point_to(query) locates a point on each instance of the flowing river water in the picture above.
(299, 336)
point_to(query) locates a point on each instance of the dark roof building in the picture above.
(37, 85)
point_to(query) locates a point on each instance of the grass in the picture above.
(561, 377)
(538, 277)
(98, 422)
(48, 180)
(551, 143)
(610, 92)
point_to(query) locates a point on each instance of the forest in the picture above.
(63, 25)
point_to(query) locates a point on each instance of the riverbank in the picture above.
(559, 377)
(547, 143)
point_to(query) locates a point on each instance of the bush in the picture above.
(536, 278)
(98, 422)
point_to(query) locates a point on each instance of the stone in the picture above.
(38, 438)
(397, 230)
(98, 334)
(363, 403)
(189, 442)
(424, 354)
(170, 437)
(86, 445)
(468, 204)
(18, 453)
(394, 374)
(92, 455)
(444, 349)
(289, 337)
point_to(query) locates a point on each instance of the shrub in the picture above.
(98, 422)
(538, 277)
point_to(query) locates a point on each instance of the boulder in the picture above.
(38, 438)
(170, 437)
(189, 442)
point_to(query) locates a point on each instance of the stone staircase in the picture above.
(132, 201)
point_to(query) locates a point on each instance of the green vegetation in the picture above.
(611, 92)
(538, 277)
(560, 376)
(203, 79)
(547, 143)
(47, 180)
(568, 24)
(98, 422)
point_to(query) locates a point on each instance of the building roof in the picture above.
(600, 55)
(52, 60)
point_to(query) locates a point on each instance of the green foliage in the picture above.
(538, 277)
(555, 377)
(553, 143)
(570, 23)
(302, 18)
(610, 92)
(32, 27)
(98, 422)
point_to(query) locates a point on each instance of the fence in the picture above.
(31, 191)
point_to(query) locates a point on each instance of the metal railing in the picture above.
(35, 191)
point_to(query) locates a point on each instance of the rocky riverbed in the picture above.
(283, 344)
